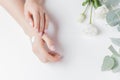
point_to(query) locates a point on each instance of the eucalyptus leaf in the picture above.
(116, 67)
(114, 51)
(113, 17)
(119, 51)
(110, 3)
(118, 28)
(116, 41)
(108, 63)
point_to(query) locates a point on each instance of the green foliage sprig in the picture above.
(95, 3)
(87, 3)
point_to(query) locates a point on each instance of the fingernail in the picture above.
(52, 48)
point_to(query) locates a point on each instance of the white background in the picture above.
(82, 56)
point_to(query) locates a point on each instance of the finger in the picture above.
(46, 21)
(44, 53)
(36, 18)
(41, 22)
(29, 18)
(48, 55)
(38, 52)
(41, 57)
(55, 54)
(49, 42)
(53, 58)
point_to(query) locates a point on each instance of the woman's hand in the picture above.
(38, 19)
(45, 55)
(36, 15)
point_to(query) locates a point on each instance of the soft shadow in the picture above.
(55, 34)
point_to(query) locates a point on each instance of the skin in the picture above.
(16, 9)
(36, 15)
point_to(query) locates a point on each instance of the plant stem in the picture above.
(86, 9)
(91, 14)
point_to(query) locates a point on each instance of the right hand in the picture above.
(42, 53)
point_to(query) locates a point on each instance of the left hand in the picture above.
(39, 45)
(36, 15)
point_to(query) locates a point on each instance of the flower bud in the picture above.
(82, 17)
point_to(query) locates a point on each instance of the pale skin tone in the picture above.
(35, 15)
(26, 17)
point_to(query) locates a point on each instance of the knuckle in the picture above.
(36, 14)
(36, 8)
(36, 26)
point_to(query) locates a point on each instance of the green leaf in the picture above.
(96, 3)
(118, 28)
(85, 2)
(110, 3)
(108, 63)
(116, 67)
(113, 17)
(116, 41)
(113, 51)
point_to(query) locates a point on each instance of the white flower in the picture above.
(82, 17)
(90, 30)
(101, 12)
